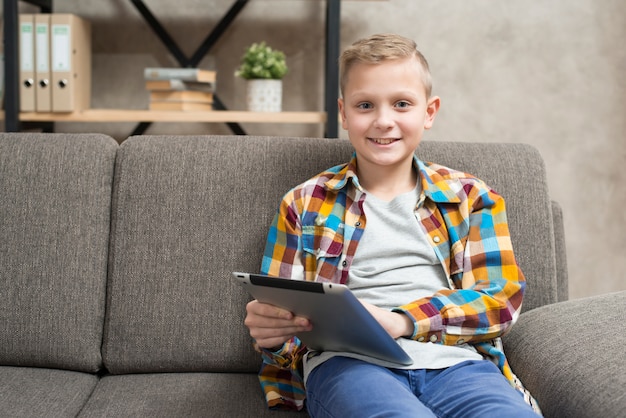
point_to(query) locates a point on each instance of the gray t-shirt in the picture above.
(394, 264)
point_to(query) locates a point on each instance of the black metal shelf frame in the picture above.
(11, 58)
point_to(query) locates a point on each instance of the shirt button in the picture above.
(436, 239)
(357, 224)
(421, 339)
(433, 338)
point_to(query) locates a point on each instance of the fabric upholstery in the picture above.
(179, 395)
(128, 251)
(188, 211)
(38, 392)
(55, 192)
(571, 356)
(560, 252)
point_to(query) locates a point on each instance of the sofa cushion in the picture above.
(179, 395)
(187, 211)
(571, 356)
(55, 192)
(37, 392)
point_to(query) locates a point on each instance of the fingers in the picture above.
(271, 326)
(265, 310)
(396, 324)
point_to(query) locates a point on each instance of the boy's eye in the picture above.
(403, 104)
(364, 106)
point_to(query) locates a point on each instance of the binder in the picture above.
(70, 47)
(27, 62)
(43, 98)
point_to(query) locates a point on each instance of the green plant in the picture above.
(261, 61)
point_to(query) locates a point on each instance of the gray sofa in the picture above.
(115, 291)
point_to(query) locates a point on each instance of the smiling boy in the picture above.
(424, 247)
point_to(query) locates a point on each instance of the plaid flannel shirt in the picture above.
(315, 234)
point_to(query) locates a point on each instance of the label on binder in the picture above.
(42, 59)
(27, 46)
(61, 48)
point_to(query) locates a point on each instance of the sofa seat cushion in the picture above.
(560, 351)
(36, 392)
(179, 395)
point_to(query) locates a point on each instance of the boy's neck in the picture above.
(387, 182)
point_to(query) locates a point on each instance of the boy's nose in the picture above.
(384, 119)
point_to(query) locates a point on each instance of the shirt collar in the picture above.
(437, 187)
(342, 177)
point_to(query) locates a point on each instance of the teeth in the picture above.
(383, 141)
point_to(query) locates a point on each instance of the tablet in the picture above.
(340, 322)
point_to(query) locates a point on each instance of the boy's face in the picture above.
(385, 111)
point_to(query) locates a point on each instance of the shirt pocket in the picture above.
(321, 241)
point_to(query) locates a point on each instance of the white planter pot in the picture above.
(265, 95)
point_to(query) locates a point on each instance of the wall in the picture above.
(545, 73)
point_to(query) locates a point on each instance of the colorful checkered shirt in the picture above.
(315, 234)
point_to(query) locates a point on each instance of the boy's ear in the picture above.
(431, 111)
(342, 112)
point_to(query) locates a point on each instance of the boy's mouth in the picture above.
(383, 141)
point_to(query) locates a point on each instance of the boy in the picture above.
(425, 248)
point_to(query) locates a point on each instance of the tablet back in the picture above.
(340, 321)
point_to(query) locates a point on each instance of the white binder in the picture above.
(70, 45)
(27, 62)
(43, 98)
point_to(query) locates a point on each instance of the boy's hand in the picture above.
(271, 326)
(396, 324)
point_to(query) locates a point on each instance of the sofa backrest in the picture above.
(187, 211)
(55, 192)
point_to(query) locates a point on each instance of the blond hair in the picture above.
(379, 48)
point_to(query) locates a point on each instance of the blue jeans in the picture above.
(344, 387)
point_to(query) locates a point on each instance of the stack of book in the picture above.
(189, 89)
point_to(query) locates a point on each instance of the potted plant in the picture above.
(263, 68)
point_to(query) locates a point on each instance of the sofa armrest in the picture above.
(562, 288)
(570, 355)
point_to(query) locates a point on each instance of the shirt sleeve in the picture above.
(280, 375)
(489, 284)
(283, 250)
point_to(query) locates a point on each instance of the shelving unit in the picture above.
(13, 118)
(134, 115)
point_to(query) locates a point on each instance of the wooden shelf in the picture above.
(12, 116)
(134, 115)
